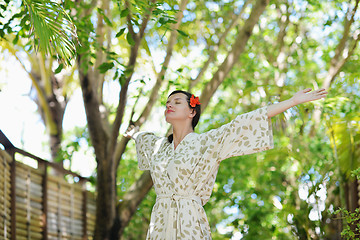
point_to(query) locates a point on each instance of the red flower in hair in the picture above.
(194, 101)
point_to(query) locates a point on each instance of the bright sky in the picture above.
(21, 123)
(16, 107)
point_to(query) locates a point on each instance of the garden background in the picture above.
(76, 74)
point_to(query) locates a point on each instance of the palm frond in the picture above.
(53, 29)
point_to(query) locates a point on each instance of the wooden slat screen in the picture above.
(5, 198)
(28, 202)
(90, 215)
(70, 208)
(65, 211)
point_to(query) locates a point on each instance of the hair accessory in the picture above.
(194, 101)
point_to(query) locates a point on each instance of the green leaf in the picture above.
(104, 67)
(52, 28)
(59, 68)
(122, 79)
(120, 32)
(116, 74)
(124, 13)
(182, 33)
(129, 39)
(16, 39)
(106, 19)
(163, 20)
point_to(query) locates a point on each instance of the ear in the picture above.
(192, 113)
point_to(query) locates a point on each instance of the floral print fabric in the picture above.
(184, 177)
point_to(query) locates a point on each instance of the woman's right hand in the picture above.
(132, 129)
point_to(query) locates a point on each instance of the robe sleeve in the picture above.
(145, 144)
(247, 133)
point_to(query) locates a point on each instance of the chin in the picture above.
(169, 119)
(166, 119)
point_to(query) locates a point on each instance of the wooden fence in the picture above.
(36, 205)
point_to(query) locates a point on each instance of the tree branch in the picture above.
(234, 54)
(146, 20)
(120, 148)
(155, 90)
(124, 88)
(213, 53)
(337, 62)
(129, 24)
(98, 78)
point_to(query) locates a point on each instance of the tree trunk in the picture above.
(352, 201)
(106, 216)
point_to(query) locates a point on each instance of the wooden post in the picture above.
(84, 210)
(28, 204)
(58, 204)
(13, 194)
(4, 217)
(45, 201)
(10, 148)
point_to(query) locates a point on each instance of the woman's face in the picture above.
(177, 108)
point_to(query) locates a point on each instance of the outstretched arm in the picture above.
(302, 96)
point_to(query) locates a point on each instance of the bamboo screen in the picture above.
(46, 207)
(29, 202)
(5, 198)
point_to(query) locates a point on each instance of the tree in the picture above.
(108, 150)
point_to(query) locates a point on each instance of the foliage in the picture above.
(53, 29)
(282, 193)
(351, 219)
(50, 26)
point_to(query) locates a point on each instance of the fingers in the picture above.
(131, 131)
(321, 91)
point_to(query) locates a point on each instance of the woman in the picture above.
(184, 165)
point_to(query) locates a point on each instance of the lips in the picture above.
(169, 111)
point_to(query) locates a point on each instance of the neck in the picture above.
(180, 133)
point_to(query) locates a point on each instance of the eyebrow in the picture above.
(178, 98)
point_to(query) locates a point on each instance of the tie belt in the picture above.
(177, 197)
(171, 230)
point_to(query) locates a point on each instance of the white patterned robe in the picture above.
(184, 178)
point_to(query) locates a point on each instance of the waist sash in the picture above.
(172, 228)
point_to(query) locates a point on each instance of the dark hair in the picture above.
(197, 109)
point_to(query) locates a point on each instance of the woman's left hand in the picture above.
(307, 95)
